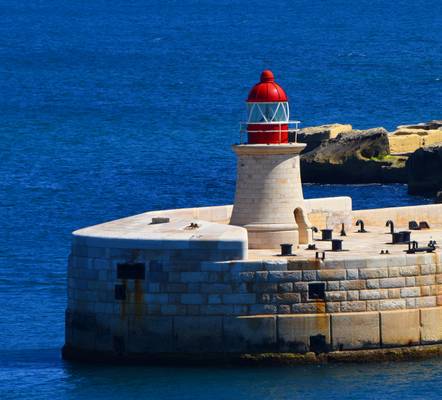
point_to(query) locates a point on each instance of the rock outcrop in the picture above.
(409, 138)
(425, 170)
(354, 157)
(313, 136)
(438, 198)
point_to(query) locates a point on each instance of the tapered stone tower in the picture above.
(269, 201)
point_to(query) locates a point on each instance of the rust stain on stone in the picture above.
(124, 302)
(138, 298)
(320, 306)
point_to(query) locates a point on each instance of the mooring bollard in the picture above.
(337, 244)
(327, 234)
(343, 233)
(390, 223)
(286, 249)
(361, 224)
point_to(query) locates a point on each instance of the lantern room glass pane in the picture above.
(280, 114)
(267, 112)
(254, 113)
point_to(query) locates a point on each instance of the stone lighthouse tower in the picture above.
(269, 201)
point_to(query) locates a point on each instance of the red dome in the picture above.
(267, 91)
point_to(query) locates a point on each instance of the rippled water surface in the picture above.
(110, 108)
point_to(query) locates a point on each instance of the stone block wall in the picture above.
(187, 300)
(431, 213)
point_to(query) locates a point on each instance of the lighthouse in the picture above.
(269, 201)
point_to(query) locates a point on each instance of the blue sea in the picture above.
(111, 108)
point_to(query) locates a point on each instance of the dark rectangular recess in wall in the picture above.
(131, 271)
(316, 291)
(318, 344)
(120, 292)
(119, 346)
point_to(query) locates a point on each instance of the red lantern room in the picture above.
(268, 112)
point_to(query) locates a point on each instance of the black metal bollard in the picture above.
(361, 224)
(390, 223)
(327, 234)
(336, 245)
(286, 249)
(343, 233)
(406, 236)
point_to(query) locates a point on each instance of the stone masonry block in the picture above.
(286, 298)
(392, 304)
(377, 262)
(194, 277)
(353, 295)
(239, 298)
(246, 277)
(431, 325)
(284, 309)
(411, 270)
(396, 260)
(261, 276)
(424, 302)
(410, 292)
(332, 285)
(257, 309)
(217, 309)
(212, 266)
(336, 296)
(250, 334)
(353, 285)
(309, 308)
(299, 333)
(156, 298)
(392, 282)
(425, 280)
(370, 294)
(372, 305)
(333, 307)
(410, 281)
(427, 269)
(192, 298)
(373, 273)
(276, 265)
(353, 306)
(332, 274)
(216, 288)
(285, 287)
(284, 276)
(244, 266)
(150, 335)
(265, 287)
(309, 275)
(355, 330)
(198, 333)
(394, 293)
(410, 302)
(425, 290)
(400, 328)
(300, 287)
(352, 274)
(372, 283)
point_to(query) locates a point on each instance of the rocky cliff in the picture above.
(425, 170)
(354, 157)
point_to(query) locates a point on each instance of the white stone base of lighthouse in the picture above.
(269, 201)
